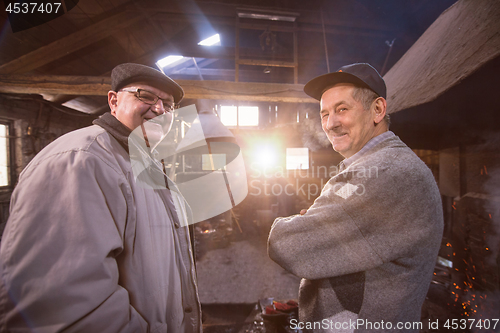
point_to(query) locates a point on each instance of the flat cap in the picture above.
(360, 74)
(127, 73)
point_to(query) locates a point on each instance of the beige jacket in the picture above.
(87, 249)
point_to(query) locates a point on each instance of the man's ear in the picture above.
(113, 101)
(379, 107)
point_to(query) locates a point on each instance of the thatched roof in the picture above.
(464, 38)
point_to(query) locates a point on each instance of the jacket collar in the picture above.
(114, 127)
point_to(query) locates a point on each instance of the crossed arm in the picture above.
(338, 236)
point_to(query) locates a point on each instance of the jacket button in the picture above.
(188, 309)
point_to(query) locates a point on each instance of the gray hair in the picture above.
(366, 97)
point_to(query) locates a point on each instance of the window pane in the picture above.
(212, 162)
(248, 116)
(229, 115)
(4, 155)
(297, 158)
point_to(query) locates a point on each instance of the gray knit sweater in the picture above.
(366, 248)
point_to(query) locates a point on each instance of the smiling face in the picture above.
(132, 112)
(346, 123)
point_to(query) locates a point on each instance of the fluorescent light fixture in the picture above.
(169, 60)
(271, 17)
(445, 262)
(212, 40)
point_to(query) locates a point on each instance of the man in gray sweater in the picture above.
(366, 248)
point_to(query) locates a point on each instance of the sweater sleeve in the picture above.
(58, 253)
(359, 222)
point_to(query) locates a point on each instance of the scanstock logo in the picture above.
(26, 14)
(210, 176)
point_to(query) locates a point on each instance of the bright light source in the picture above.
(248, 116)
(229, 115)
(297, 158)
(169, 60)
(213, 40)
(266, 156)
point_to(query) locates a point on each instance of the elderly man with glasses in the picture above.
(86, 247)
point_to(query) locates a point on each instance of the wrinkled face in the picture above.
(131, 111)
(344, 120)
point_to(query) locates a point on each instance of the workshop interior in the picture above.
(243, 65)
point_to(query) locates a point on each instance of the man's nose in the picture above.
(332, 121)
(158, 108)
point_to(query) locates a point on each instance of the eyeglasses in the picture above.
(149, 98)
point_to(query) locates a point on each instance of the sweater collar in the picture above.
(114, 127)
(366, 148)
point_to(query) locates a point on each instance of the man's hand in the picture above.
(303, 211)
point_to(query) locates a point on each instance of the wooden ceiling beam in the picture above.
(70, 44)
(99, 86)
(55, 85)
(222, 52)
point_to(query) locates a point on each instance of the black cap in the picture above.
(133, 73)
(363, 75)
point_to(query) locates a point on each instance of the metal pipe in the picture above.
(382, 72)
(197, 68)
(324, 41)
